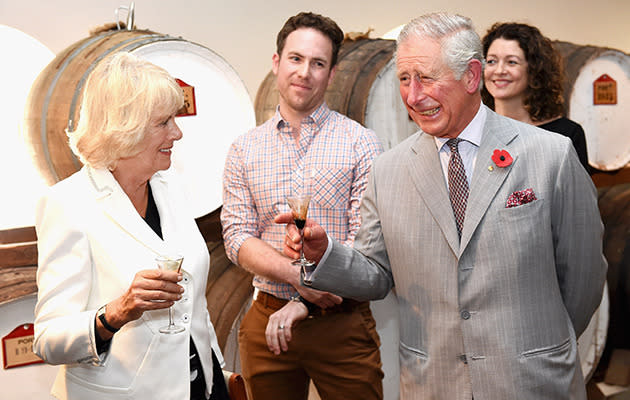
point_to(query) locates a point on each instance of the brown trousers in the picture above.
(339, 352)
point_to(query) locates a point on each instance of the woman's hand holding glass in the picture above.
(151, 289)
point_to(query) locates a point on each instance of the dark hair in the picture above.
(325, 25)
(545, 75)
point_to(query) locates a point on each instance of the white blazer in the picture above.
(91, 243)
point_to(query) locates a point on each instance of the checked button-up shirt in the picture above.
(265, 165)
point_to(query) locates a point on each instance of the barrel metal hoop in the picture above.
(51, 89)
(126, 45)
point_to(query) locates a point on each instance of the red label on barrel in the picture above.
(604, 90)
(190, 106)
(17, 347)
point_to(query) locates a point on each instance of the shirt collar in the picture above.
(317, 117)
(472, 132)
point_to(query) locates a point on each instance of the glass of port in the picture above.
(171, 263)
(299, 209)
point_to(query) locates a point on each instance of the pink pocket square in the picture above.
(520, 197)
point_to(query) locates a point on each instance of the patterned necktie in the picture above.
(457, 184)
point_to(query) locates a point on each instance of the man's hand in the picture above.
(315, 238)
(278, 331)
(319, 298)
(315, 244)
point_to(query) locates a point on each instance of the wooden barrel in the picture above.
(614, 205)
(18, 263)
(229, 286)
(365, 88)
(228, 293)
(604, 124)
(222, 107)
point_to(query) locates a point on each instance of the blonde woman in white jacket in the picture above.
(101, 298)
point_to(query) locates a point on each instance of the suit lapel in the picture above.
(119, 209)
(426, 173)
(486, 181)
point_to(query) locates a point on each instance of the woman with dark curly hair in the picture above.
(523, 80)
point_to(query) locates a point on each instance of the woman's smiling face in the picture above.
(505, 75)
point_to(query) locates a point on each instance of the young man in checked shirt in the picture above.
(318, 336)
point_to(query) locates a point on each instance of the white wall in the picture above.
(243, 31)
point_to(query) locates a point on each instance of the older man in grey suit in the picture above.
(493, 240)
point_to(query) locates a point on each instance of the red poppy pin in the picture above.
(502, 158)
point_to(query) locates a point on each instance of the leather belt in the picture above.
(275, 303)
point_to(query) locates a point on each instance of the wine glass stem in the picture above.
(170, 316)
(302, 248)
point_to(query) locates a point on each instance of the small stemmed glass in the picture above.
(299, 209)
(171, 263)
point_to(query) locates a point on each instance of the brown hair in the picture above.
(325, 25)
(545, 75)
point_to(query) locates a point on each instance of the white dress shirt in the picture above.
(471, 139)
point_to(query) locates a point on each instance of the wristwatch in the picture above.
(101, 316)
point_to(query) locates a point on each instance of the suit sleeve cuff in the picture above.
(307, 273)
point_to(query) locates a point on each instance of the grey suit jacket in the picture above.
(495, 316)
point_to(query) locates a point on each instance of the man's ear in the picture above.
(275, 61)
(472, 76)
(332, 75)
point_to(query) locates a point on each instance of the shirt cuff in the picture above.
(102, 346)
(328, 250)
(307, 272)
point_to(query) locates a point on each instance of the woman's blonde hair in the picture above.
(121, 96)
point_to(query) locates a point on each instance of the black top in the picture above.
(573, 131)
(152, 217)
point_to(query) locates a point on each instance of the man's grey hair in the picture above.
(456, 34)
